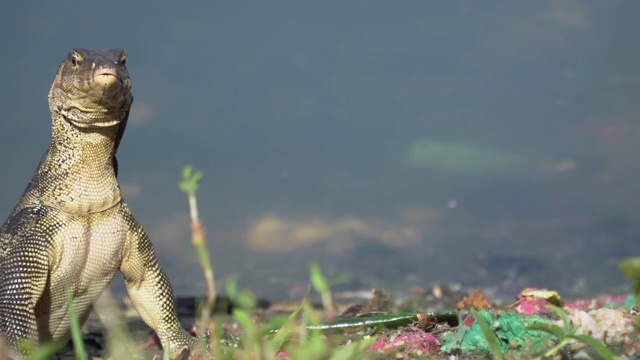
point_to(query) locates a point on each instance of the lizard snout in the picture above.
(105, 76)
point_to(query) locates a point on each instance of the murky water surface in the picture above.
(403, 144)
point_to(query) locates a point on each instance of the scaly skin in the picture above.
(71, 226)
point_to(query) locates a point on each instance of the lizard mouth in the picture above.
(90, 123)
(105, 76)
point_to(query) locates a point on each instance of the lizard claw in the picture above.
(185, 353)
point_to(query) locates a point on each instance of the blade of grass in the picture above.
(322, 286)
(489, 335)
(165, 353)
(76, 333)
(596, 345)
(552, 329)
(45, 351)
(189, 185)
(569, 329)
(556, 348)
(555, 330)
(239, 299)
(283, 332)
(243, 318)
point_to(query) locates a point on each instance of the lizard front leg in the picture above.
(23, 278)
(151, 292)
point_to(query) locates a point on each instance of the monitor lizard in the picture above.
(71, 228)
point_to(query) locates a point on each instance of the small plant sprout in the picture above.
(189, 185)
(568, 333)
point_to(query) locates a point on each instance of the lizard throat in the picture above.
(90, 122)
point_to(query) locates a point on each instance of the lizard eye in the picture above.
(75, 60)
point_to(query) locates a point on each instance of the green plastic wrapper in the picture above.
(509, 327)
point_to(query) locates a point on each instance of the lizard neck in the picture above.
(76, 174)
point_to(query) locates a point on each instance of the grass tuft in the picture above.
(568, 333)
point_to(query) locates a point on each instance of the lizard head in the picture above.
(92, 88)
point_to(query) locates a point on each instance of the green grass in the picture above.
(189, 185)
(489, 335)
(567, 333)
(76, 331)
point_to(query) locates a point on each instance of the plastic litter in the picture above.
(510, 327)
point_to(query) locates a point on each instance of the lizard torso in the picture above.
(71, 228)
